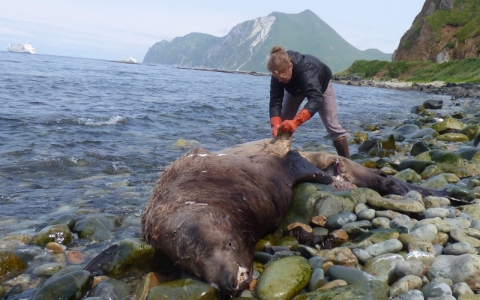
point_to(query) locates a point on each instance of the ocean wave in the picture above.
(110, 121)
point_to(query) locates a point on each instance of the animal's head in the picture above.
(224, 258)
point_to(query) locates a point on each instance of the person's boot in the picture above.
(341, 145)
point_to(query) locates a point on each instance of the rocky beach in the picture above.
(455, 90)
(333, 244)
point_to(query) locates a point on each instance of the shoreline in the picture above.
(456, 90)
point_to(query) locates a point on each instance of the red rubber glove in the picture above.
(275, 123)
(300, 118)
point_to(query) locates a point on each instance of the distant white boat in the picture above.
(130, 60)
(21, 48)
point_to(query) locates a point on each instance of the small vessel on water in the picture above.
(21, 48)
(130, 60)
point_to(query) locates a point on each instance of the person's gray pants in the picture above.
(328, 111)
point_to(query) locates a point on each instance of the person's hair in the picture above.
(279, 59)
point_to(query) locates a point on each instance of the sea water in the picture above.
(94, 136)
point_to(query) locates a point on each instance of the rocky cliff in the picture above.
(444, 30)
(246, 46)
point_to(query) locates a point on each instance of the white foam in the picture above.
(112, 121)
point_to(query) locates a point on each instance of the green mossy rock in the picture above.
(408, 175)
(59, 233)
(133, 257)
(311, 199)
(441, 157)
(10, 264)
(71, 286)
(453, 137)
(283, 278)
(471, 131)
(448, 125)
(288, 241)
(389, 143)
(183, 289)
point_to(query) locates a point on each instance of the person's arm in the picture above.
(276, 99)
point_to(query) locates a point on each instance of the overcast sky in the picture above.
(116, 29)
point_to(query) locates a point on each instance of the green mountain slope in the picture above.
(444, 30)
(247, 45)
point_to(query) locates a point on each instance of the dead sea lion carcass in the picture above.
(341, 168)
(208, 210)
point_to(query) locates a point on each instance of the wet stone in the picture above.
(96, 228)
(68, 220)
(389, 214)
(274, 283)
(357, 227)
(339, 256)
(425, 233)
(425, 257)
(390, 246)
(382, 266)
(111, 289)
(374, 290)
(75, 258)
(461, 288)
(366, 214)
(54, 233)
(459, 235)
(410, 295)
(67, 286)
(350, 275)
(316, 262)
(55, 247)
(10, 263)
(421, 246)
(307, 251)
(262, 257)
(337, 221)
(287, 241)
(409, 282)
(409, 267)
(402, 223)
(381, 222)
(48, 269)
(436, 213)
(459, 249)
(362, 255)
(317, 279)
(132, 256)
(435, 289)
(148, 282)
(320, 231)
(272, 249)
(182, 289)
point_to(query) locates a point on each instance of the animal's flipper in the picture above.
(304, 171)
(102, 261)
(430, 192)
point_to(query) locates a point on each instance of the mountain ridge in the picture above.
(246, 46)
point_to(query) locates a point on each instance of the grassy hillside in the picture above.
(467, 70)
(453, 28)
(464, 15)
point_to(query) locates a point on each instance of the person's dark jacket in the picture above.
(309, 76)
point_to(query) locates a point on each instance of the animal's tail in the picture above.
(102, 261)
(430, 192)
